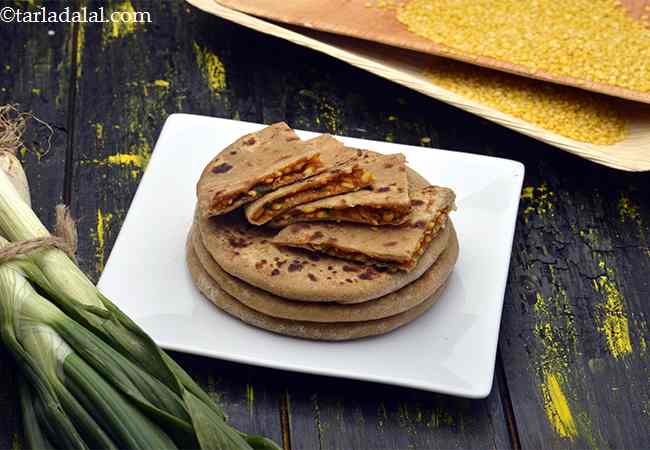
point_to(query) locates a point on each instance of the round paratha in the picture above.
(391, 304)
(308, 330)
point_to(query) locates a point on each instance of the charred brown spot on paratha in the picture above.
(312, 277)
(275, 272)
(221, 168)
(390, 244)
(303, 167)
(369, 274)
(238, 242)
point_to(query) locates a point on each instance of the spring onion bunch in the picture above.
(91, 378)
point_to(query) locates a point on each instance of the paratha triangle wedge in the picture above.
(258, 163)
(386, 202)
(396, 247)
(342, 178)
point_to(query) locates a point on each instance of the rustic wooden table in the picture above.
(572, 370)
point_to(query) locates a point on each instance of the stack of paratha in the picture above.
(317, 240)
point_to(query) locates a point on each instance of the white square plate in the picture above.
(450, 349)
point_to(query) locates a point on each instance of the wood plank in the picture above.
(574, 334)
(34, 74)
(328, 413)
(131, 79)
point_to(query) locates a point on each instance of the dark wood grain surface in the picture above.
(572, 369)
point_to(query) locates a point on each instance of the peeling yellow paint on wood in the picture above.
(590, 236)
(440, 418)
(102, 229)
(124, 159)
(527, 193)
(161, 83)
(403, 413)
(555, 329)
(540, 201)
(614, 322)
(539, 303)
(81, 42)
(554, 356)
(135, 110)
(28, 3)
(642, 330)
(212, 67)
(250, 398)
(36, 91)
(16, 442)
(646, 408)
(382, 415)
(627, 210)
(557, 408)
(63, 67)
(418, 414)
(329, 114)
(99, 132)
(119, 29)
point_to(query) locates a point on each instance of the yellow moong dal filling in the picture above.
(570, 112)
(593, 40)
